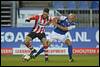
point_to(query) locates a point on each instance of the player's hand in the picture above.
(27, 20)
(54, 22)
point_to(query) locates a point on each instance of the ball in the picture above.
(26, 57)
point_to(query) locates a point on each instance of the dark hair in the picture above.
(46, 10)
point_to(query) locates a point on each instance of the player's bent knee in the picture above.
(48, 42)
(44, 42)
(27, 40)
(68, 42)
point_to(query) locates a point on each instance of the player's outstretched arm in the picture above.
(62, 27)
(27, 20)
(53, 21)
(32, 18)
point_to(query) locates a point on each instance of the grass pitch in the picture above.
(79, 60)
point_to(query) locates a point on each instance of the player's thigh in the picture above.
(62, 38)
(29, 37)
(42, 38)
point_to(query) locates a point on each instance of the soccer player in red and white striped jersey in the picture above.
(38, 30)
(40, 22)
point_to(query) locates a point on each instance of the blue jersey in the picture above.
(64, 23)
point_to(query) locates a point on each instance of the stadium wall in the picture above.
(84, 41)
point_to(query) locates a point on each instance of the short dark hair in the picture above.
(46, 10)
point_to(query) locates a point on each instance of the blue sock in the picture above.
(70, 51)
(40, 51)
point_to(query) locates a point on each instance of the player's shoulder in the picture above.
(63, 17)
(39, 15)
(51, 17)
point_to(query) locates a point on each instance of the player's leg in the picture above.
(68, 43)
(46, 43)
(42, 49)
(43, 39)
(28, 42)
(45, 46)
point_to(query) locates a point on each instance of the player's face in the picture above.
(72, 18)
(45, 14)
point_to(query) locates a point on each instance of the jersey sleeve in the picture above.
(34, 17)
(62, 18)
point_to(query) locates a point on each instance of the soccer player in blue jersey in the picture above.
(62, 25)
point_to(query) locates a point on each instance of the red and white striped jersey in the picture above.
(40, 23)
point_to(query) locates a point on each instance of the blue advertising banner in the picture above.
(13, 37)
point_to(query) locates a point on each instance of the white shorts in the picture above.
(55, 36)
